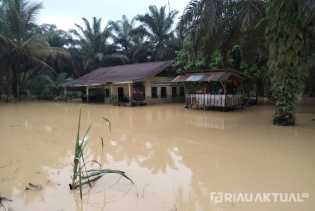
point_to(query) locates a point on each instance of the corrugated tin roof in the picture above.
(217, 75)
(120, 73)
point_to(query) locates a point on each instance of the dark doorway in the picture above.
(121, 94)
(138, 91)
(96, 95)
(107, 93)
(154, 92)
(174, 92)
(182, 92)
(163, 92)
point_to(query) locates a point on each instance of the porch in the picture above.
(212, 89)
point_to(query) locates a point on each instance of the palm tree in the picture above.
(54, 82)
(122, 33)
(19, 45)
(141, 49)
(218, 24)
(130, 39)
(290, 25)
(92, 41)
(54, 36)
(157, 26)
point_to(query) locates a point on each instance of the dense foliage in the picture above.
(30, 52)
(289, 26)
(270, 40)
(22, 50)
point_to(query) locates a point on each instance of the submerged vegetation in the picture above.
(267, 39)
(82, 174)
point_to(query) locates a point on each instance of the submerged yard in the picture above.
(176, 157)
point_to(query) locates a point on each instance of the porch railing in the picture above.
(210, 100)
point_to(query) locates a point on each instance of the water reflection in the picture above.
(206, 122)
(176, 157)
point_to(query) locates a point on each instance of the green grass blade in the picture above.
(77, 151)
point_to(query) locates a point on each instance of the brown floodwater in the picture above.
(176, 157)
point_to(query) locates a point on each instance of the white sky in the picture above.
(65, 13)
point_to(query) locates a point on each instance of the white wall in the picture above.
(158, 82)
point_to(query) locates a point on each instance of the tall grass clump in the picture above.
(82, 175)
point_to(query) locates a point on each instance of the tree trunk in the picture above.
(286, 45)
(225, 57)
(9, 86)
(15, 85)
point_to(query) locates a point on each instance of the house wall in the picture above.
(158, 82)
(113, 91)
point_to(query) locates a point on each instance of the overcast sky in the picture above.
(64, 13)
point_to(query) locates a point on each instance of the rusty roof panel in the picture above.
(206, 76)
(121, 73)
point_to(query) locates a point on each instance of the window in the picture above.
(163, 92)
(174, 91)
(107, 93)
(182, 91)
(154, 93)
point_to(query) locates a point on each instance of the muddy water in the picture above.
(176, 157)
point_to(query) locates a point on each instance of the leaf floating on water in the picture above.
(33, 187)
(102, 142)
(108, 123)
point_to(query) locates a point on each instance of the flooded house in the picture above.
(132, 84)
(220, 88)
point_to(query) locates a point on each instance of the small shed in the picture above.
(218, 88)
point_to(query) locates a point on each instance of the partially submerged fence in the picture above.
(210, 100)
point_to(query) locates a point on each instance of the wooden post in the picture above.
(130, 93)
(65, 93)
(111, 94)
(224, 88)
(87, 94)
(104, 90)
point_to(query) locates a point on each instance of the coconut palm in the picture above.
(290, 25)
(93, 43)
(157, 26)
(20, 48)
